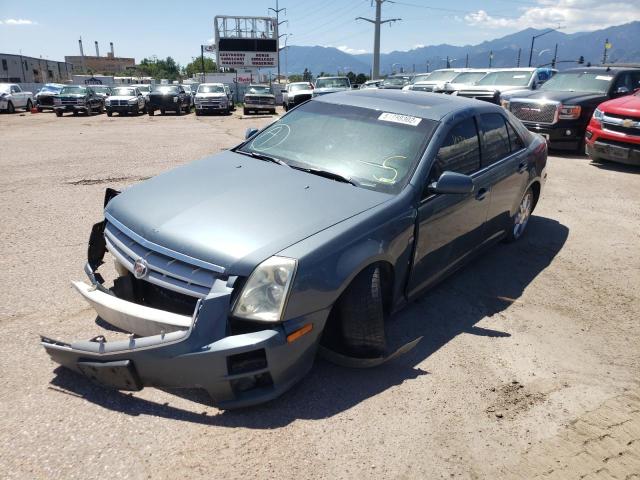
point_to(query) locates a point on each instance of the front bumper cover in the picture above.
(237, 370)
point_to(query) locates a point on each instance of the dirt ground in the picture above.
(529, 366)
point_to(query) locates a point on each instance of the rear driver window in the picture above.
(516, 142)
(496, 138)
(460, 151)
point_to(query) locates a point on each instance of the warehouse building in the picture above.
(99, 64)
(22, 69)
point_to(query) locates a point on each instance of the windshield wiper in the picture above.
(262, 156)
(327, 174)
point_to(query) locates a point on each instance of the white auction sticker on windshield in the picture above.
(519, 76)
(397, 118)
(604, 77)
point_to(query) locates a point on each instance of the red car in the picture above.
(614, 131)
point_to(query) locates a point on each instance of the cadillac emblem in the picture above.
(140, 268)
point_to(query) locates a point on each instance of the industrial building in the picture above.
(98, 64)
(22, 69)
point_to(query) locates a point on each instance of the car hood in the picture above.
(235, 211)
(493, 88)
(122, 97)
(211, 95)
(71, 95)
(45, 94)
(628, 105)
(561, 97)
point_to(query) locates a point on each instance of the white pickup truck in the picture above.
(12, 97)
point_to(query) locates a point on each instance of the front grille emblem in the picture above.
(140, 268)
(628, 123)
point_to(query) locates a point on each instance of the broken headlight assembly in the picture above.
(264, 296)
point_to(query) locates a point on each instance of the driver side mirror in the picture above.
(452, 182)
(251, 131)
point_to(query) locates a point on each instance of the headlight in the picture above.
(81, 101)
(198, 100)
(598, 115)
(133, 101)
(265, 294)
(107, 102)
(569, 112)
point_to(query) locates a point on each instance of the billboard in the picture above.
(249, 42)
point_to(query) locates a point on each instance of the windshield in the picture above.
(332, 83)
(579, 82)
(377, 150)
(144, 88)
(187, 88)
(396, 81)
(75, 90)
(442, 76)
(469, 78)
(421, 78)
(299, 86)
(51, 88)
(210, 89)
(100, 89)
(261, 90)
(164, 89)
(124, 91)
(512, 78)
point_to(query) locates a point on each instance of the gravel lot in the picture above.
(529, 366)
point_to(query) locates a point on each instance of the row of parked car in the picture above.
(592, 109)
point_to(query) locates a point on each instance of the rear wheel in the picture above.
(179, 111)
(245, 111)
(39, 109)
(89, 111)
(109, 113)
(162, 111)
(521, 218)
(58, 113)
(361, 315)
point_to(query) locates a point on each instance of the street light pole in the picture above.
(533, 39)
(376, 37)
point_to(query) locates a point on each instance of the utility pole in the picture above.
(466, 63)
(519, 53)
(448, 62)
(277, 11)
(490, 58)
(376, 37)
(204, 75)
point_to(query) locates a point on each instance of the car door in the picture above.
(450, 226)
(18, 97)
(505, 166)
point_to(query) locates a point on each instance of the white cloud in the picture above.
(573, 15)
(351, 51)
(17, 21)
(418, 45)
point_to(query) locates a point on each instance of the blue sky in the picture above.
(145, 28)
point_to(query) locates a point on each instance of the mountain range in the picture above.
(625, 48)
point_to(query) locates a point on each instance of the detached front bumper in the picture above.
(237, 365)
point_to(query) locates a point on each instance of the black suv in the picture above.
(561, 108)
(76, 99)
(169, 97)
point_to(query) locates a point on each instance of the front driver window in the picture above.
(460, 151)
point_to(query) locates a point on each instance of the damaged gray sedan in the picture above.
(233, 270)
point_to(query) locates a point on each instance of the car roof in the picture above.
(599, 69)
(431, 106)
(212, 84)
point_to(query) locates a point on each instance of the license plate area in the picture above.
(120, 374)
(618, 152)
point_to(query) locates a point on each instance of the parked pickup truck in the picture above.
(493, 85)
(295, 94)
(325, 85)
(12, 97)
(561, 109)
(435, 81)
(125, 100)
(614, 131)
(44, 97)
(212, 98)
(169, 97)
(259, 97)
(76, 99)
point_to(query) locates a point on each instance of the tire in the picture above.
(29, 106)
(162, 111)
(179, 111)
(89, 111)
(58, 113)
(198, 113)
(245, 111)
(286, 107)
(101, 109)
(11, 108)
(520, 220)
(361, 314)
(109, 113)
(39, 109)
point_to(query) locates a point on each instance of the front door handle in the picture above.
(482, 193)
(523, 166)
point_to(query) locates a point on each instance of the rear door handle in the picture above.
(523, 166)
(482, 193)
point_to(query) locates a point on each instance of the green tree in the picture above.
(361, 78)
(352, 77)
(196, 66)
(295, 78)
(158, 69)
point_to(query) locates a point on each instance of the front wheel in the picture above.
(109, 113)
(361, 315)
(58, 113)
(521, 218)
(10, 108)
(29, 106)
(89, 111)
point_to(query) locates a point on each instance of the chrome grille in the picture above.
(422, 88)
(69, 101)
(163, 270)
(534, 112)
(621, 124)
(260, 100)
